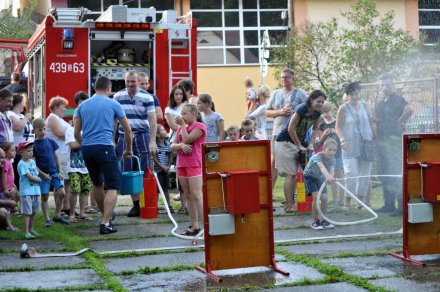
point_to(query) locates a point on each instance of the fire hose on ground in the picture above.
(30, 252)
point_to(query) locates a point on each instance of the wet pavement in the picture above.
(346, 258)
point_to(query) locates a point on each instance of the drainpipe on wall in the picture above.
(291, 20)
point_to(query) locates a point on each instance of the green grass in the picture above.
(69, 240)
(154, 270)
(332, 273)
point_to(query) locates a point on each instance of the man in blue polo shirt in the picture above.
(96, 117)
(139, 108)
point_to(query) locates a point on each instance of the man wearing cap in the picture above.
(95, 117)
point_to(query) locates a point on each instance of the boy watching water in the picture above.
(29, 188)
(49, 166)
(320, 169)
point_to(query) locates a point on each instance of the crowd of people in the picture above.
(84, 161)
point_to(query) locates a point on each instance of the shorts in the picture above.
(80, 183)
(189, 171)
(65, 160)
(313, 185)
(103, 166)
(46, 183)
(140, 149)
(286, 157)
(29, 204)
(163, 180)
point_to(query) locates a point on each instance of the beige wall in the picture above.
(323, 10)
(225, 85)
(406, 11)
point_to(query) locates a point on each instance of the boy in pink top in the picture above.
(187, 143)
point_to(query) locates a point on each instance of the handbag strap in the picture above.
(356, 118)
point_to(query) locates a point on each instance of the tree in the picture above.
(17, 27)
(326, 55)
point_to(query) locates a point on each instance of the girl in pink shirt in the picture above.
(187, 143)
(8, 186)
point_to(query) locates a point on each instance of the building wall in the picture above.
(226, 86)
(406, 12)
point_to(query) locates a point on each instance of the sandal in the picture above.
(90, 210)
(290, 209)
(191, 233)
(87, 218)
(72, 220)
(183, 210)
(11, 228)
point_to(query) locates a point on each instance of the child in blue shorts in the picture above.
(49, 167)
(29, 188)
(320, 169)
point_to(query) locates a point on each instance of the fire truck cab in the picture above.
(68, 52)
(12, 59)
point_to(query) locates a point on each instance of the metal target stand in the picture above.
(237, 206)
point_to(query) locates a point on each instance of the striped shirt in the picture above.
(6, 134)
(136, 109)
(163, 152)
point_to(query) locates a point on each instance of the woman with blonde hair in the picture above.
(56, 130)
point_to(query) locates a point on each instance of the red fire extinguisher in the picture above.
(303, 202)
(148, 200)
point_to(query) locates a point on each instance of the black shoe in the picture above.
(396, 213)
(107, 229)
(134, 212)
(385, 209)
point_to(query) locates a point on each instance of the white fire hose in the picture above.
(196, 237)
(318, 199)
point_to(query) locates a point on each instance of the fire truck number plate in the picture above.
(61, 67)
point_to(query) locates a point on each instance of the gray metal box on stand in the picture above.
(221, 224)
(420, 213)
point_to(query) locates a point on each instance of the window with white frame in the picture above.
(230, 31)
(429, 20)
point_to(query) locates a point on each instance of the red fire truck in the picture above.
(69, 51)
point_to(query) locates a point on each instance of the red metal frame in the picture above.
(208, 270)
(406, 256)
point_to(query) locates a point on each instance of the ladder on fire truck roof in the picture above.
(180, 39)
(72, 15)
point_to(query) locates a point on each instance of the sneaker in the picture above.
(396, 213)
(107, 229)
(35, 233)
(48, 224)
(385, 209)
(326, 224)
(317, 225)
(29, 236)
(61, 220)
(134, 212)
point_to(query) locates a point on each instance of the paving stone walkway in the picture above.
(331, 264)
